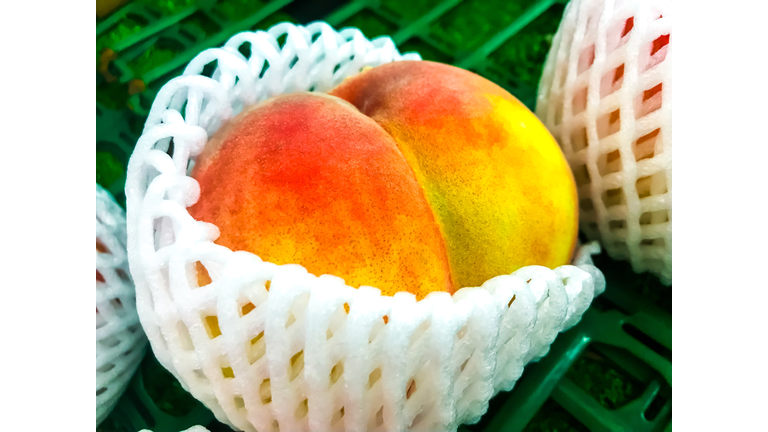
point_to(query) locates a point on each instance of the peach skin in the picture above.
(307, 179)
(501, 189)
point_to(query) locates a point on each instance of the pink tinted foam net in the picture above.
(120, 340)
(606, 96)
(271, 348)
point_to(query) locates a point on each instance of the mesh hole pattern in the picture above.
(276, 348)
(120, 343)
(606, 97)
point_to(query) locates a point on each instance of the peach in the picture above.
(501, 189)
(307, 179)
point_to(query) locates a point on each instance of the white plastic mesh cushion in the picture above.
(269, 347)
(606, 96)
(120, 340)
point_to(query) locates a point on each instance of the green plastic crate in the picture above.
(613, 371)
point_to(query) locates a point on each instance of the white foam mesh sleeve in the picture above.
(269, 347)
(606, 96)
(120, 341)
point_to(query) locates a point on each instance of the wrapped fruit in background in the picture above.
(267, 346)
(120, 340)
(606, 96)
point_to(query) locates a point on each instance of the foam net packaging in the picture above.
(269, 347)
(120, 340)
(606, 96)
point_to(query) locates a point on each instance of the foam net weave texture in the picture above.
(269, 347)
(606, 96)
(120, 340)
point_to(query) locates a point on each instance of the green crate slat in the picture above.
(628, 328)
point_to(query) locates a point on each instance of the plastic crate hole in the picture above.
(603, 379)
(166, 8)
(200, 23)
(256, 349)
(370, 23)
(648, 341)
(156, 55)
(265, 392)
(108, 168)
(426, 50)
(663, 397)
(101, 391)
(553, 417)
(275, 426)
(467, 26)
(125, 27)
(271, 20)
(99, 277)
(113, 95)
(237, 10)
(409, 10)
(165, 391)
(380, 417)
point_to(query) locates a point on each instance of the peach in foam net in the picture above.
(442, 180)
(305, 178)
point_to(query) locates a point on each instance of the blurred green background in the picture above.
(141, 44)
